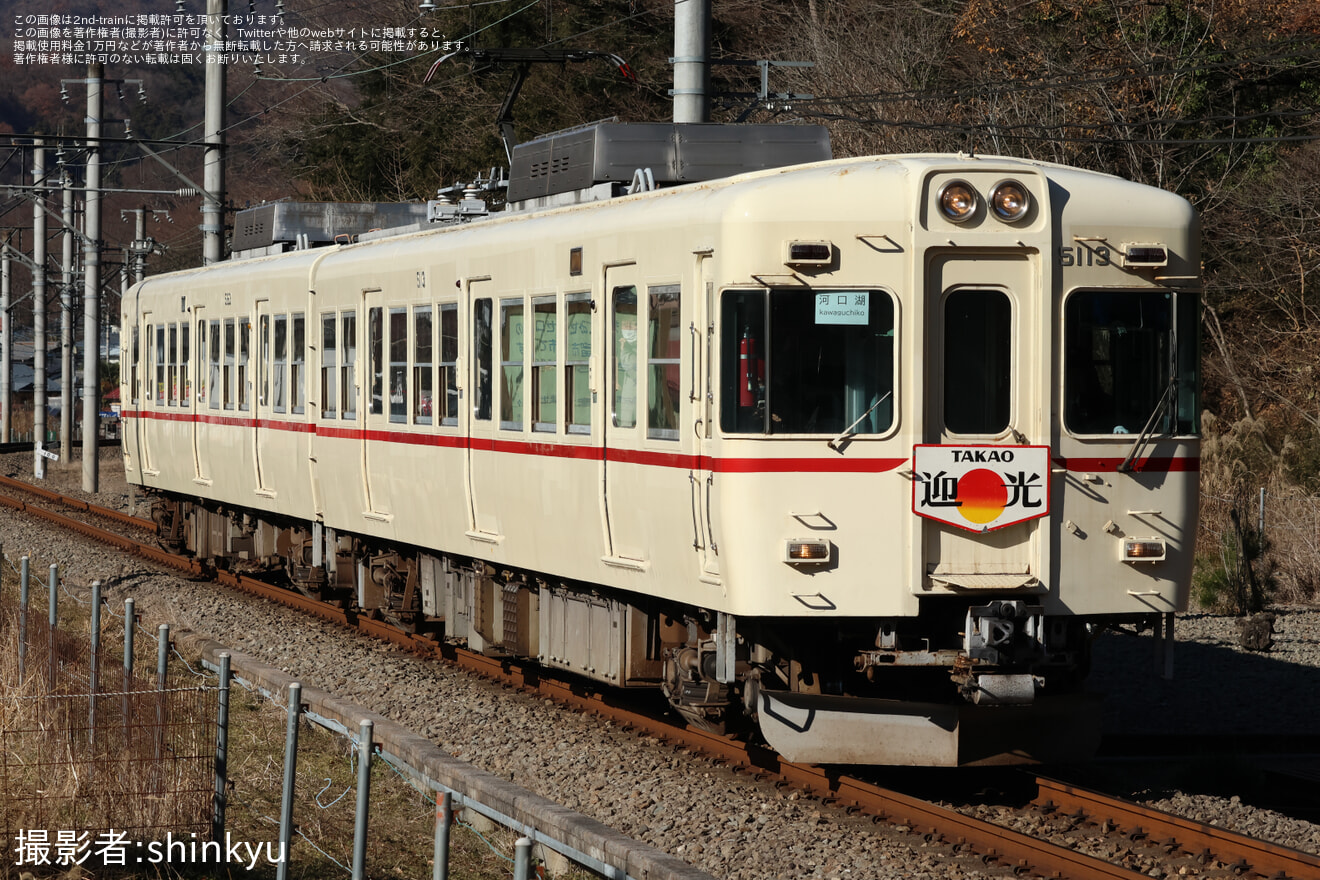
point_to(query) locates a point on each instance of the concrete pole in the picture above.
(24, 603)
(130, 627)
(54, 593)
(94, 674)
(290, 780)
(139, 234)
(444, 817)
(220, 801)
(6, 348)
(691, 61)
(66, 322)
(92, 284)
(162, 671)
(213, 178)
(39, 310)
(363, 800)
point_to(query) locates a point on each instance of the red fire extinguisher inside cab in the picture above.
(753, 371)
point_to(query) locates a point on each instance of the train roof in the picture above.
(725, 197)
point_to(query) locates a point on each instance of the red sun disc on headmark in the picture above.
(982, 494)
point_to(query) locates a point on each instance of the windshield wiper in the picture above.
(1146, 432)
(848, 431)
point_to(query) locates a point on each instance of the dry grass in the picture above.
(55, 775)
(1235, 466)
(134, 760)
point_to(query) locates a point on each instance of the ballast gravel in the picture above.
(725, 823)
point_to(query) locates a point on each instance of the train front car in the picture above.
(956, 437)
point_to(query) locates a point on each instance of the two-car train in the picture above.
(861, 451)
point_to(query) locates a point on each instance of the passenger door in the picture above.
(376, 405)
(983, 472)
(197, 409)
(705, 499)
(262, 435)
(481, 465)
(146, 401)
(624, 486)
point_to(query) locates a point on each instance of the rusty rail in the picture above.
(77, 504)
(1243, 854)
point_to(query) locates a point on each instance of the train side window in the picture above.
(200, 370)
(172, 365)
(398, 365)
(160, 365)
(624, 357)
(348, 370)
(133, 390)
(449, 363)
(185, 363)
(482, 313)
(279, 372)
(577, 363)
(329, 399)
(298, 364)
(263, 362)
(376, 358)
(1187, 347)
(244, 396)
(213, 382)
(512, 359)
(978, 361)
(228, 374)
(545, 364)
(664, 375)
(423, 369)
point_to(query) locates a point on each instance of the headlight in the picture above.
(958, 201)
(1010, 201)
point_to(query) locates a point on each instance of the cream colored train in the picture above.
(861, 452)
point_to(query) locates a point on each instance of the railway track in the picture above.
(1182, 846)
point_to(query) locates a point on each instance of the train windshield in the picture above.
(807, 361)
(1130, 359)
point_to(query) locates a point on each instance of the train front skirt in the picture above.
(813, 728)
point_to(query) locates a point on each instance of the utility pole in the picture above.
(66, 314)
(92, 284)
(691, 61)
(135, 255)
(136, 252)
(213, 177)
(39, 310)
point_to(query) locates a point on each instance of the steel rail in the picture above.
(1239, 852)
(78, 504)
(993, 843)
